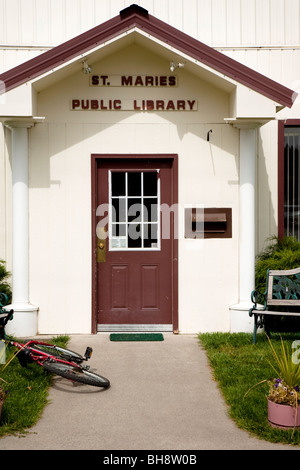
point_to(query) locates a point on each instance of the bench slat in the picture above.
(291, 302)
(284, 272)
(270, 312)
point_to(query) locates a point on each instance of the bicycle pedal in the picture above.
(88, 353)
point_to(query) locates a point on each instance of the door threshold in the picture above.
(127, 327)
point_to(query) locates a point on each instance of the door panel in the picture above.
(119, 286)
(150, 286)
(135, 274)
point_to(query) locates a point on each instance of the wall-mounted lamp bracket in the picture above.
(86, 69)
(175, 65)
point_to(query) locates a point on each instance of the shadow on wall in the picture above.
(266, 184)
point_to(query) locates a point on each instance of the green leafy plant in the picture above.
(280, 253)
(4, 276)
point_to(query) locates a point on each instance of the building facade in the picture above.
(147, 152)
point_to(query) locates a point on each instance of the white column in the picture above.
(240, 320)
(24, 321)
(247, 213)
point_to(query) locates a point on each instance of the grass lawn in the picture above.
(27, 393)
(237, 365)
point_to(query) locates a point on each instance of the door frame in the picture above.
(95, 158)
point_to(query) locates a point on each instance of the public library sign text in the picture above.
(136, 104)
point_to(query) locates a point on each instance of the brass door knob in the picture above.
(101, 246)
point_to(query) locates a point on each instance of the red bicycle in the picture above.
(52, 358)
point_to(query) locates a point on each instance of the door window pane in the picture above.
(134, 209)
(150, 235)
(118, 184)
(134, 236)
(134, 184)
(150, 183)
(150, 210)
(118, 209)
(119, 230)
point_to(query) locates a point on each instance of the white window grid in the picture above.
(120, 243)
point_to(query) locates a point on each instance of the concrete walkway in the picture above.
(162, 397)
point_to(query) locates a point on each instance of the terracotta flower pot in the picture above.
(283, 416)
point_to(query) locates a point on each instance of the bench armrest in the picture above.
(260, 298)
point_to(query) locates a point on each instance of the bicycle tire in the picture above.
(58, 352)
(78, 374)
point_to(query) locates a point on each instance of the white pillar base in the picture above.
(240, 321)
(24, 322)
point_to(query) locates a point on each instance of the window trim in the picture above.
(280, 171)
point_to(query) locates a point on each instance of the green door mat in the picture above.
(136, 337)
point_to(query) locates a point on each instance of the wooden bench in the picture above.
(282, 293)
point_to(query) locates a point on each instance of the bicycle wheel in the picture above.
(76, 373)
(58, 352)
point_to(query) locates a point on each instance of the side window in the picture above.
(291, 186)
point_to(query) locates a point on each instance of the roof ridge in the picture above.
(133, 10)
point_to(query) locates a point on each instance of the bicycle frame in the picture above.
(37, 355)
(32, 354)
(63, 362)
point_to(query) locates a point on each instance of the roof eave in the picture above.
(137, 17)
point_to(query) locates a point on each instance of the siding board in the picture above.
(216, 22)
(262, 19)
(247, 22)
(27, 13)
(42, 21)
(277, 21)
(233, 14)
(204, 22)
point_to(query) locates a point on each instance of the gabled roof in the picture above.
(137, 17)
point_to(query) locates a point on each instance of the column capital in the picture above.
(247, 123)
(22, 123)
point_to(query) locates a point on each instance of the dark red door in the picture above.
(134, 243)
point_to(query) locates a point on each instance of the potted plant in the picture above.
(284, 391)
